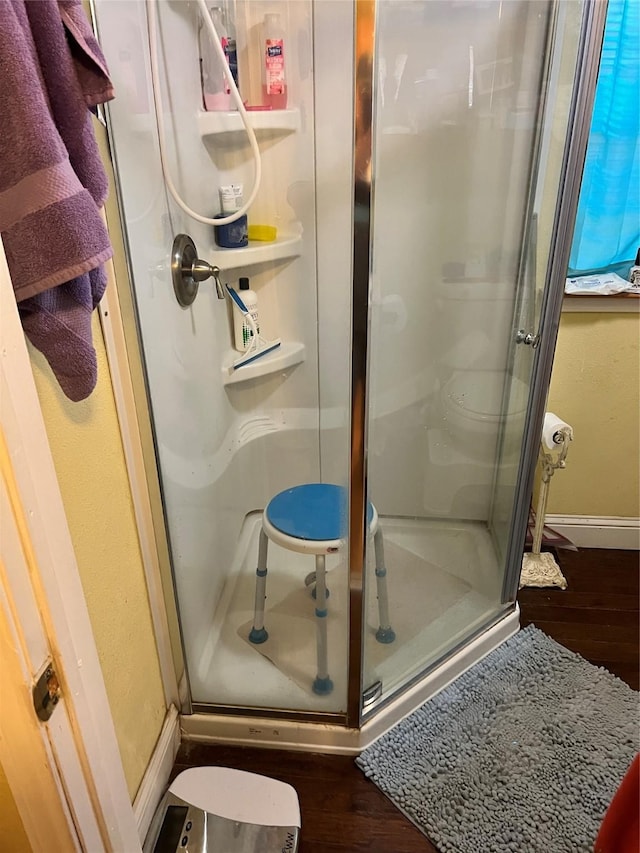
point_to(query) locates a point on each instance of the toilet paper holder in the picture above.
(540, 569)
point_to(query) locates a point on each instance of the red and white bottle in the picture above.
(274, 87)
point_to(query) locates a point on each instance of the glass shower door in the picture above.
(461, 148)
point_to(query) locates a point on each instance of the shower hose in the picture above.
(152, 29)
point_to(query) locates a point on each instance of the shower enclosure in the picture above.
(422, 180)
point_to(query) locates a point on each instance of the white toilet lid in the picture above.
(479, 394)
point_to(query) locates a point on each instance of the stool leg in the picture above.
(322, 684)
(258, 633)
(385, 633)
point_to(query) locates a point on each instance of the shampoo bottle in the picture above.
(243, 332)
(274, 88)
(216, 92)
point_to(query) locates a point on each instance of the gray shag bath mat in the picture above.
(522, 753)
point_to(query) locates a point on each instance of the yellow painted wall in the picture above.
(88, 455)
(12, 834)
(595, 387)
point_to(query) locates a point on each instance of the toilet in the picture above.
(475, 319)
(473, 341)
(472, 412)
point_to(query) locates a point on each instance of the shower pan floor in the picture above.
(443, 581)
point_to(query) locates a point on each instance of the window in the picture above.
(607, 232)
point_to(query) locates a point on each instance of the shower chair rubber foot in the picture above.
(258, 635)
(322, 686)
(385, 635)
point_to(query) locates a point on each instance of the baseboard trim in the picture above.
(156, 778)
(598, 531)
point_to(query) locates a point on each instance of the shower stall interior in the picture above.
(416, 179)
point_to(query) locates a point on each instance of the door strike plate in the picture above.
(46, 693)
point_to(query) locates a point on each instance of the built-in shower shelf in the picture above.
(286, 355)
(219, 122)
(289, 246)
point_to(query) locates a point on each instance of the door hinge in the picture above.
(46, 693)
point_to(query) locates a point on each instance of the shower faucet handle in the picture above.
(188, 270)
(202, 270)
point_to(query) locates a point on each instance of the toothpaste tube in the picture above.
(231, 198)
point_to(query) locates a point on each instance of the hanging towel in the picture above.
(52, 182)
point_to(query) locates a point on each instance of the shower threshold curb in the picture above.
(339, 740)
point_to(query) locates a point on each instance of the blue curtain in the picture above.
(607, 233)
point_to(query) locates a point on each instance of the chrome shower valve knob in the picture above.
(188, 270)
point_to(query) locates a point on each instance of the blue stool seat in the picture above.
(314, 511)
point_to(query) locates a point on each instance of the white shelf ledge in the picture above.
(286, 355)
(289, 246)
(218, 122)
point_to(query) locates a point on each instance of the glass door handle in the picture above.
(527, 338)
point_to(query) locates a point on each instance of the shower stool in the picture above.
(309, 519)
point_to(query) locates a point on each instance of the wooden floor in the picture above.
(597, 616)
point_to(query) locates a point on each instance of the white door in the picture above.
(65, 773)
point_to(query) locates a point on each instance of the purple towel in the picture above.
(52, 183)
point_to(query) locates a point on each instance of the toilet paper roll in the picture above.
(552, 431)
